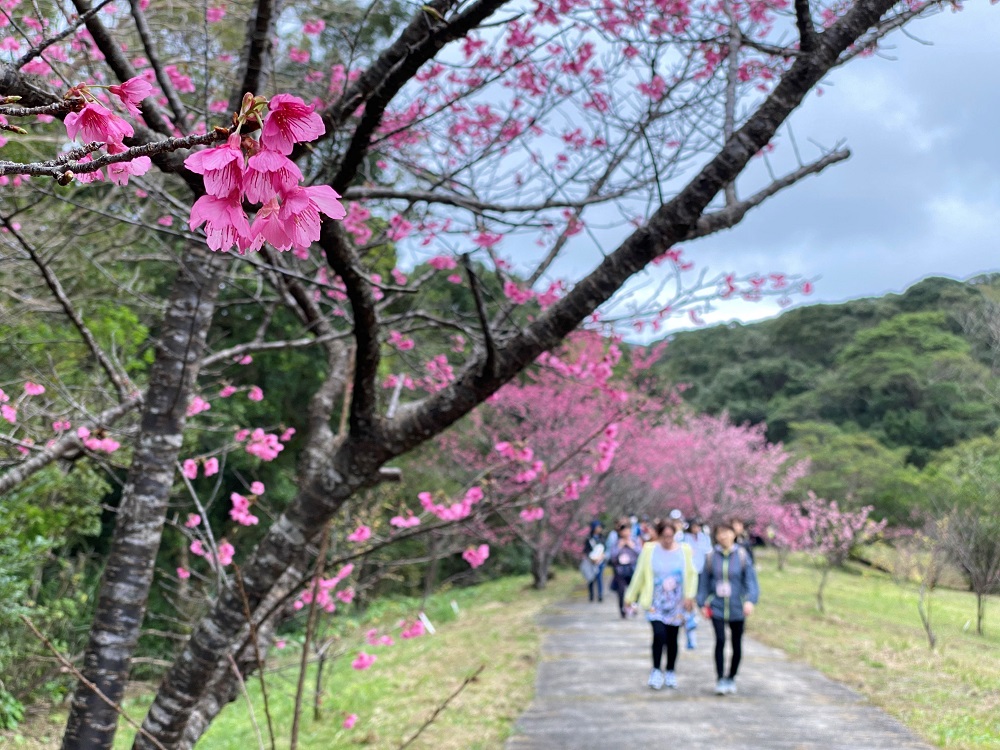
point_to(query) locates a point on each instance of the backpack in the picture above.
(625, 570)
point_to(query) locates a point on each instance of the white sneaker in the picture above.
(655, 679)
(730, 686)
(720, 687)
(670, 680)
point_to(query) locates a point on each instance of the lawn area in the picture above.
(871, 639)
(493, 625)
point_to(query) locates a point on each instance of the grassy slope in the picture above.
(871, 639)
(496, 626)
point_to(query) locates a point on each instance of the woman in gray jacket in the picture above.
(728, 583)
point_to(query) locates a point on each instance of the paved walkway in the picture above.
(592, 694)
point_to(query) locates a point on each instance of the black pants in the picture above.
(597, 583)
(621, 584)
(665, 635)
(736, 629)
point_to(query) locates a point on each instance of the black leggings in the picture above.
(736, 628)
(665, 635)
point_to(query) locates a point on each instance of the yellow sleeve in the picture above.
(690, 573)
(635, 586)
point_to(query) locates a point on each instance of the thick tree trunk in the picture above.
(128, 575)
(540, 563)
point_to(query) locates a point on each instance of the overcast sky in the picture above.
(920, 195)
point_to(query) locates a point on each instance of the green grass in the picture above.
(495, 626)
(871, 639)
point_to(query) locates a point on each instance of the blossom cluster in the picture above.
(454, 511)
(244, 170)
(95, 122)
(476, 556)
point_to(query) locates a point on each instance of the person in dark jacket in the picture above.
(728, 584)
(595, 551)
(623, 555)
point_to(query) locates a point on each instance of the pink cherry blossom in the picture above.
(190, 469)
(197, 406)
(183, 573)
(255, 394)
(227, 391)
(119, 172)
(9, 413)
(268, 174)
(313, 27)
(350, 721)
(96, 123)
(360, 534)
(415, 630)
(442, 262)
(300, 212)
(287, 435)
(476, 556)
(406, 522)
(222, 166)
(211, 466)
(257, 488)
(215, 14)
(226, 224)
(226, 552)
(289, 120)
(240, 512)
(131, 93)
(363, 661)
(193, 520)
(33, 389)
(197, 548)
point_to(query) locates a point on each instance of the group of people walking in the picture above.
(668, 570)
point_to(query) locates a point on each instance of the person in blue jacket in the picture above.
(728, 583)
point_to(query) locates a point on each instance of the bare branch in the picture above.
(119, 379)
(65, 445)
(731, 215)
(491, 350)
(173, 99)
(257, 54)
(344, 262)
(69, 667)
(39, 48)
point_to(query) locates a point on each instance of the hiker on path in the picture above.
(623, 556)
(728, 584)
(743, 539)
(595, 551)
(664, 585)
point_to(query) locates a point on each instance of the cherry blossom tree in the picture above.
(295, 155)
(559, 433)
(708, 468)
(836, 534)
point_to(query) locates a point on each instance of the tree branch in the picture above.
(342, 259)
(64, 445)
(39, 48)
(166, 86)
(257, 53)
(804, 22)
(731, 215)
(120, 380)
(484, 322)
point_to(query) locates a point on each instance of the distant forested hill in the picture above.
(909, 374)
